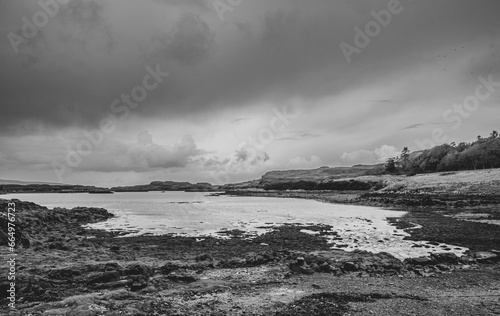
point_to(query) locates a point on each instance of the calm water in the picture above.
(197, 214)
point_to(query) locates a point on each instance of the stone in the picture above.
(56, 312)
(445, 257)
(114, 285)
(138, 285)
(236, 262)
(483, 256)
(420, 261)
(315, 267)
(204, 257)
(254, 259)
(350, 267)
(104, 277)
(138, 269)
(443, 267)
(169, 267)
(306, 269)
(183, 276)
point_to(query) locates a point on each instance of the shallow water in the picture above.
(198, 214)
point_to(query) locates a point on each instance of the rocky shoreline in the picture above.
(64, 269)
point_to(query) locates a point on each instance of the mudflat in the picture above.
(63, 269)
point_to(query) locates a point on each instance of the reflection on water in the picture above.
(197, 214)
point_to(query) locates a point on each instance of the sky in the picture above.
(122, 92)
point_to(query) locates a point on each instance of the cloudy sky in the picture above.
(122, 92)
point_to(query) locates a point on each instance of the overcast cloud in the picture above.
(228, 78)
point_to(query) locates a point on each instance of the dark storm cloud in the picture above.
(264, 54)
(189, 43)
(85, 58)
(201, 4)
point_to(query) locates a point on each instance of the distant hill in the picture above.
(2, 181)
(321, 174)
(48, 188)
(166, 186)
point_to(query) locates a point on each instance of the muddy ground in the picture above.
(63, 269)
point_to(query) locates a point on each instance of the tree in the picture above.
(494, 135)
(390, 165)
(404, 159)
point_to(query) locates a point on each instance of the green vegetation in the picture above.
(484, 153)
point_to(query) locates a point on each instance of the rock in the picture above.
(443, 267)
(112, 266)
(484, 256)
(390, 272)
(306, 269)
(204, 257)
(104, 277)
(183, 276)
(420, 261)
(445, 257)
(235, 262)
(422, 272)
(300, 266)
(56, 312)
(315, 267)
(138, 269)
(350, 267)
(253, 259)
(467, 260)
(169, 268)
(64, 273)
(58, 246)
(325, 267)
(114, 285)
(362, 266)
(139, 285)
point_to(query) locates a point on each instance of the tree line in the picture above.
(349, 185)
(483, 153)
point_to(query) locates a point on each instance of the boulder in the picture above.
(445, 257)
(350, 267)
